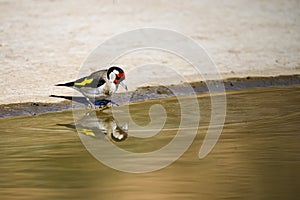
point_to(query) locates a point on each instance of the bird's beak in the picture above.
(123, 84)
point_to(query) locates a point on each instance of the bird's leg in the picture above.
(91, 103)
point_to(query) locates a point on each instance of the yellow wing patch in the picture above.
(84, 82)
(87, 132)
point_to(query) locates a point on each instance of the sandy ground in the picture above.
(46, 42)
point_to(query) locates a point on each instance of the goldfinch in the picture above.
(100, 84)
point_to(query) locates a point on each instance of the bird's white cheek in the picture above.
(112, 76)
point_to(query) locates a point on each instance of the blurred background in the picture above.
(46, 42)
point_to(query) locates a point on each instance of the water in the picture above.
(256, 157)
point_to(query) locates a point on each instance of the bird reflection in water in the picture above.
(100, 125)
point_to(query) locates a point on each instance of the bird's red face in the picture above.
(119, 78)
(117, 75)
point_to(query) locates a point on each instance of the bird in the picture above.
(99, 84)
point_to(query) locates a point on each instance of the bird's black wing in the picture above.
(94, 80)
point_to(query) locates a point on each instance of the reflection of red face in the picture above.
(119, 134)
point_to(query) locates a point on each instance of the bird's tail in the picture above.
(63, 97)
(69, 84)
(72, 98)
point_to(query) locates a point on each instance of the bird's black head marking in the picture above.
(119, 74)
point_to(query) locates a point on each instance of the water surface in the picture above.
(256, 157)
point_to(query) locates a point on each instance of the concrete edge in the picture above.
(152, 92)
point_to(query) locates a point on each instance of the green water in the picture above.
(257, 155)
